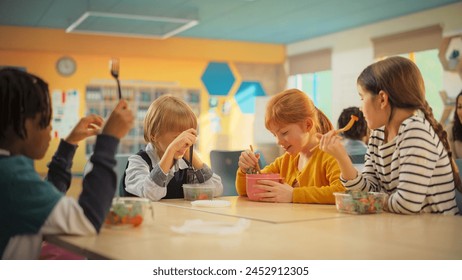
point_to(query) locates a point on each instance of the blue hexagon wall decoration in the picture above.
(218, 78)
(245, 96)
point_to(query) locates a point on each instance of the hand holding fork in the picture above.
(345, 128)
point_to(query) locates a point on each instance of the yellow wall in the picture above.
(172, 60)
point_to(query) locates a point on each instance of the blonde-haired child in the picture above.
(408, 155)
(170, 129)
(308, 176)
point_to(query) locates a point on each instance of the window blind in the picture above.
(310, 62)
(426, 38)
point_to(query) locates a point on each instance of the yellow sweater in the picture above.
(317, 182)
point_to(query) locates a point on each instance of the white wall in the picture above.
(352, 50)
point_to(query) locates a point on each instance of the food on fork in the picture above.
(343, 129)
(348, 125)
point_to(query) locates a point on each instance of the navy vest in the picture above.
(174, 187)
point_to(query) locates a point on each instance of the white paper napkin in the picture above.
(209, 227)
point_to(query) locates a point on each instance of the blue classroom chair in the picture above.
(225, 164)
(121, 164)
(262, 160)
(122, 160)
(358, 159)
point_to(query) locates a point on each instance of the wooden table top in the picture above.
(276, 231)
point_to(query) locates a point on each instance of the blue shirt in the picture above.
(355, 147)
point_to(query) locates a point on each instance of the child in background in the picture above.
(353, 139)
(408, 153)
(309, 176)
(455, 129)
(170, 129)
(29, 206)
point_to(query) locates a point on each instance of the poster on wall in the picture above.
(65, 111)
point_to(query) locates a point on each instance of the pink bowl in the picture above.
(251, 180)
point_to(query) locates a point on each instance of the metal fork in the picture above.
(190, 172)
(114, 67)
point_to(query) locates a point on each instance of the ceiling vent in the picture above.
(101, 23)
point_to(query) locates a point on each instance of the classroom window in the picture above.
(432, 72)
(318, 86)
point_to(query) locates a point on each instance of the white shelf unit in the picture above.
(101, 100)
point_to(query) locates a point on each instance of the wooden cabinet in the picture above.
(101, 100)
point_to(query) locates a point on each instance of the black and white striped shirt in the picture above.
(413, 168)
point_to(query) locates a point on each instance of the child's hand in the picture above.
(331, 143)
(120, 121)
(86, 127)
(197, 162)
(247, 160)
(181, 143)
(275, 191)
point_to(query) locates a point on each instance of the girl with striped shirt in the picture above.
(408, 155)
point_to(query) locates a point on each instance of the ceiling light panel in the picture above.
(128, 25)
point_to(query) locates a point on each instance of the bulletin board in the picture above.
(66, 104)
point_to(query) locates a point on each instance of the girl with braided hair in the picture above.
(408, 156)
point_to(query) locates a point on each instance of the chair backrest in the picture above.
(357, 159)
(262, 160)
(225, 164)
(121, 164)
(458, 194)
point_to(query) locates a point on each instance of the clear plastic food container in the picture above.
(360, 202)
(198, 192)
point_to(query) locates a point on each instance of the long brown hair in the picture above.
(401, 79)
(457, 123)
(294, 106)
